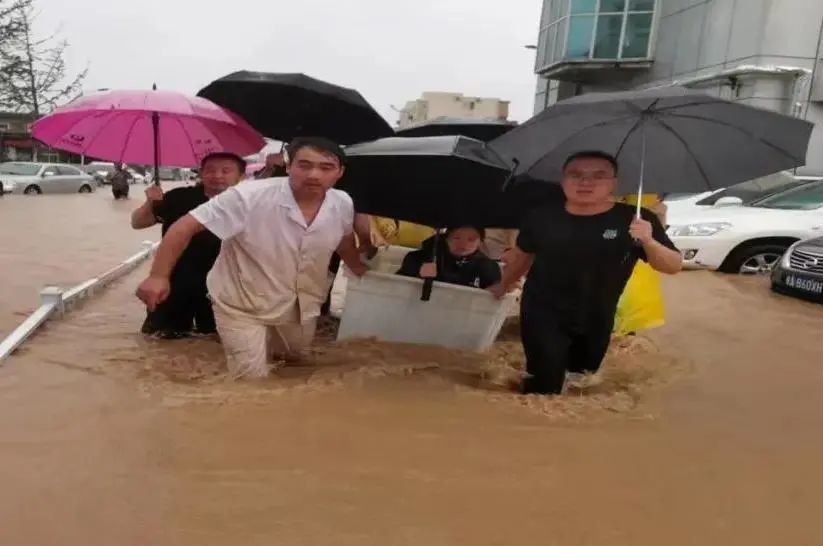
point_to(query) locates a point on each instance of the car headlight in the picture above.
(698, 230)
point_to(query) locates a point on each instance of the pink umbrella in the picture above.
(147, 127)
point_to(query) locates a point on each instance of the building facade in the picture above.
(765, 53)
(434, 104)
(17, 144)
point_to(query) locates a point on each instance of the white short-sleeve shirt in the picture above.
(272, 267)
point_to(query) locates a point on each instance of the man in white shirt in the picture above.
(270, 278)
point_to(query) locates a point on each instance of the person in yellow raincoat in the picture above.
(641, 305)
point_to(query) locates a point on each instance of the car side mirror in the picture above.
(728, 202)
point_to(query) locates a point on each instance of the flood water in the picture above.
(706, 431)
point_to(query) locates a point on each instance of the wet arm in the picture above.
(519, 264)
(362, 227)
(663, 258)
(349, 254)
(143, 216)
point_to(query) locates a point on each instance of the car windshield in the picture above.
(806, 197)
(753, 190)
(678, 196)
(22, 169)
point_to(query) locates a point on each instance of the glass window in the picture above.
(559, 50)
(612, 6)
(68, 171)
(806, 197)
(560, 8)
(542, 47)
(580, 37)
(753, 190)
(607, 42)
(638, 31)
(550, 43)
(23, 169)
(584, 6)
(641, 5)
(548, 11)
(51, 171)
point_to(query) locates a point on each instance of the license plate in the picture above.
(805, 284)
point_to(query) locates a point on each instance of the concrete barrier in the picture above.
(54, 301)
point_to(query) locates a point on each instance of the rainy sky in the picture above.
(390, 50)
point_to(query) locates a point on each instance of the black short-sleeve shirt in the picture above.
(582, 263)
(200, 254)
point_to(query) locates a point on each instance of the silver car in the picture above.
(36, 178)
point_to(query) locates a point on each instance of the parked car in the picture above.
(100, 171)
(36, 178)
(749, 239)
(167, 174)
(736, 195)
(800, 271)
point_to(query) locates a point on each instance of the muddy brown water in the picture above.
(706, 431)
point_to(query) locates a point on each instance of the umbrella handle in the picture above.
(642, 171)
(509, 178)
(428, 284)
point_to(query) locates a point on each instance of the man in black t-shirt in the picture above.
(188, 309)
(579, 255)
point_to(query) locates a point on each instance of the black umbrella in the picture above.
(480, 129)
(285, 106)
(665, 140)
(436, 181)
(442, 181)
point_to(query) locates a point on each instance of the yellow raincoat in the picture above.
(641, 305)
(391, 232)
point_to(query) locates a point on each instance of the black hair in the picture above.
(241, 163)
(592, 154)
(320, 144)
(480, 230)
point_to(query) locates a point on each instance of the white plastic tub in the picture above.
(389, 259)
(388, 307)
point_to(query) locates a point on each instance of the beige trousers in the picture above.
(252, 348)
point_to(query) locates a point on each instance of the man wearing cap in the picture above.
(271, 276)
(188, 308)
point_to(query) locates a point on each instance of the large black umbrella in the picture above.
(437, 181)
(665, 140)
(480, 129)
(285, 106)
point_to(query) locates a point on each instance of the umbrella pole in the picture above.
(428, 284)
(642, 172)
(155, 125)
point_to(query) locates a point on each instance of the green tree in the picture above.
(33, 73)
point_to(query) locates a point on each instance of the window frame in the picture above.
(559, 38)
(70, 170)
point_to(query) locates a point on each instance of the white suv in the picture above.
(748, 239)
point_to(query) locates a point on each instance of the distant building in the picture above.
(17, 144)
(759, 52)
(434, 104)
(15, 136)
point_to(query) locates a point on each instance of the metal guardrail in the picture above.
(55, 302)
